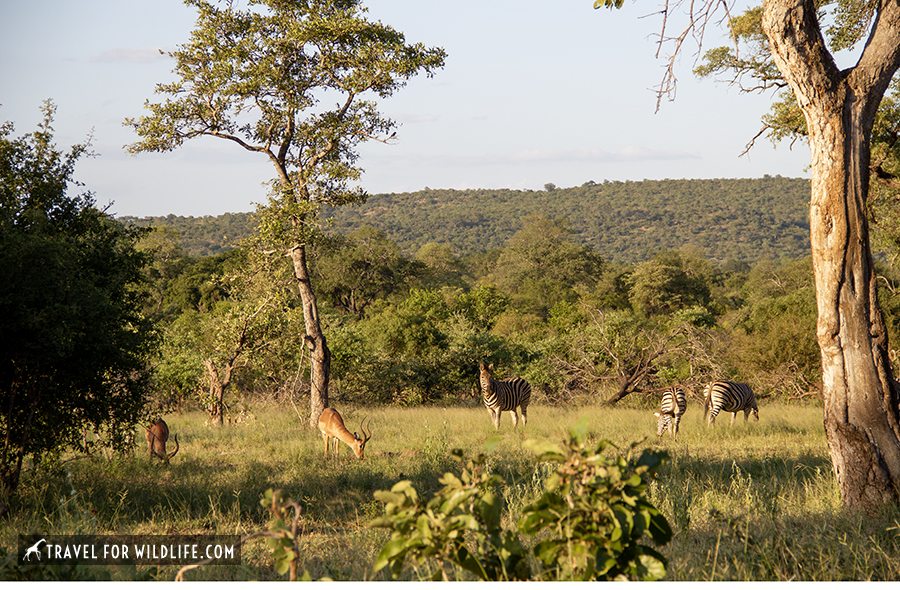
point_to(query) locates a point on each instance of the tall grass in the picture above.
(754, 502)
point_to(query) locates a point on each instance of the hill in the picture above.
(202, 236)
(626, 221)
(741, 219)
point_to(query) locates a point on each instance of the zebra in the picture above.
(674, 405)
(504, 396)
(726, 396)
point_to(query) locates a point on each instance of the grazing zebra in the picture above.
(674, 405)
(725, 396)
(504, 396)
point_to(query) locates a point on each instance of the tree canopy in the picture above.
(75, 344)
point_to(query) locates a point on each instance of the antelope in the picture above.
(331, 425)
(157, 435)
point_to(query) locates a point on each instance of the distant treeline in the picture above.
(626, 222)
(202, 236)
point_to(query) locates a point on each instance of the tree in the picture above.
(540, 266)
(253, 330)
(442, 267)
(294, 81)
(619, 347)
(666, 284)
(359, 268)
(74, 341)
(169, 261)
(243, 328)
(862, 414)
(785, 120)
(775, 331)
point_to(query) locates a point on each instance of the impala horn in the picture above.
(172, 454)
(362, 427)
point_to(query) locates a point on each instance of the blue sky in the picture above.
(532, 93)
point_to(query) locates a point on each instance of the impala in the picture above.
(157, 435)
(331, 425)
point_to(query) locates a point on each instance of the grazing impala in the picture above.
(157, 435)
(331, 425)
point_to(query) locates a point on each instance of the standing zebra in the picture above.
(504, 396)
(674, 405)
(725, 396)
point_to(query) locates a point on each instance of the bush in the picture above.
(596, 513)
(466, 512)
(594, 509)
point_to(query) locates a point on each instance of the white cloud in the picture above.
(140, 55)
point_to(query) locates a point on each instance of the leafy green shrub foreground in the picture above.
(594, 511)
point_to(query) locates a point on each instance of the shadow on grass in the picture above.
(804, 467)
(813, 547)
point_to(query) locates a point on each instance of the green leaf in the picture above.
(634, 480)
(277, 525)
(660, 530)
(553, 482)
(282, 566)
(455, 499)
(423, 524)
(390, 497)
(405, 486)
(653, 565)
(450, 480)
(547, 551)
(544, 450)
(470, 562)
(393, 550)
(489, 509)
(579, 431)
(491, 443)
(604, 562)
(641, 524)
(625, 519)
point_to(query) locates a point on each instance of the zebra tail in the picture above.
(706, 405)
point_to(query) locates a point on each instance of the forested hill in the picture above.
(202, 236)
(742, 219)
(625, 221)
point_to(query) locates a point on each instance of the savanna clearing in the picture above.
(757, 501)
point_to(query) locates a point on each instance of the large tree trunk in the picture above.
(862, 418)
(861, 415)
(320, 356)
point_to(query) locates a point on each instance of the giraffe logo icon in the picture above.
(33, 550)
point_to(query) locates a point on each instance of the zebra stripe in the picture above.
(504, 396)
(674, 405)
(725, 396)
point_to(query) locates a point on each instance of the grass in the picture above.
(757, 501)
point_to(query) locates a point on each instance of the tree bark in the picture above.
(217, 387)
(320, 356)
(862, 417)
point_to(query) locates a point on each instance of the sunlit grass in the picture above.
(753, 501)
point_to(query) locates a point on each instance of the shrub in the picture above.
(594, 511)
(467, 510)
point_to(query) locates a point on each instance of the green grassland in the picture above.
(756, 501)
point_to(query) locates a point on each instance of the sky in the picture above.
(531, 93)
